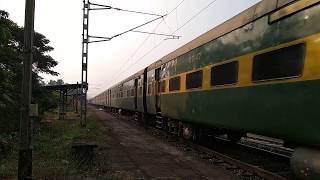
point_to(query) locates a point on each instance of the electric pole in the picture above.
(84, 71)
(25, 148)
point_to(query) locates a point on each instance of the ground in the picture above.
(125, 151)
(135, 154)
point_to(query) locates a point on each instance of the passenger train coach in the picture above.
(259, 72)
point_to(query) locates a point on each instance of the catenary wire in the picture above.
(187, 22)
(197, 14)
(160, 34)
(133, 54)
(104, 7)
(140, 46)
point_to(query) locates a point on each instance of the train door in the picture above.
(110, 98)
(144, 84)
(135, 94)
(158, 90)
(105, 99)
(109, 102)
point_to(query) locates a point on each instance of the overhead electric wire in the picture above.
(132, 29)
(177, 22)
(137, 26)
(151, 33)
(138, 12)
(147, 52)
(139, 47)
(176, 7)
(134, 53)
(168, 27)
(104, 7)
(156, 46)
(197, 14)
(188, 21)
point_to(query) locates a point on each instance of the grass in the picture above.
(8, 167)
(51, 149)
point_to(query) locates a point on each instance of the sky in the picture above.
(112, 61)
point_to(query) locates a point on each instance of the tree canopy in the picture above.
(11, 64)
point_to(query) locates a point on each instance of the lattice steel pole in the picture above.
(96, 39)
(84, 75)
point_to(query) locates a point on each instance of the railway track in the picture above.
(272, 163)
(266, 143)
(250, 171)
(247, 161)
(268, 147)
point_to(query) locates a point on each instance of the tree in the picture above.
(57, 82)
(60, 82)
(4, 31)
(11, 59)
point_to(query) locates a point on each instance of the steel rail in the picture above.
(257, 148)
(243, 165)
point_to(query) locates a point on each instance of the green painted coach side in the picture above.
(140, 104)
(151, 98)
(127, 103)
(289, 110)
(252, 37)
(151, 104)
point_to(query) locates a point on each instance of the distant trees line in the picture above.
(11, 58)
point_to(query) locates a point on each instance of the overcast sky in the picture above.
(110, 62)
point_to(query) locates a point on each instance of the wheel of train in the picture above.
(187, 132)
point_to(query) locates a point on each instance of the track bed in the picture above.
(135, 154)
(246, 159)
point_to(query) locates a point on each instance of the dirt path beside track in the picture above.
(134, 154)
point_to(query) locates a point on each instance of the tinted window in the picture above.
(163, 86)
(140, 91)
(149, 88)
(194, 80)
(282, 63)
(174, 84)
(224, 74)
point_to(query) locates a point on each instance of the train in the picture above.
(258, 72)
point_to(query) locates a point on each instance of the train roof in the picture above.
(139, 73)
(121, 82)
(251, 14)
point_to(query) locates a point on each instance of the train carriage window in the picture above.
(140, 91)
(163, 86)
(128, 93)
(279, 64)
(224, 74)
(174, 84)
(149, 88)
(194, 80)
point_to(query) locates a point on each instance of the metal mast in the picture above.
(86, 41)
(84, 75)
